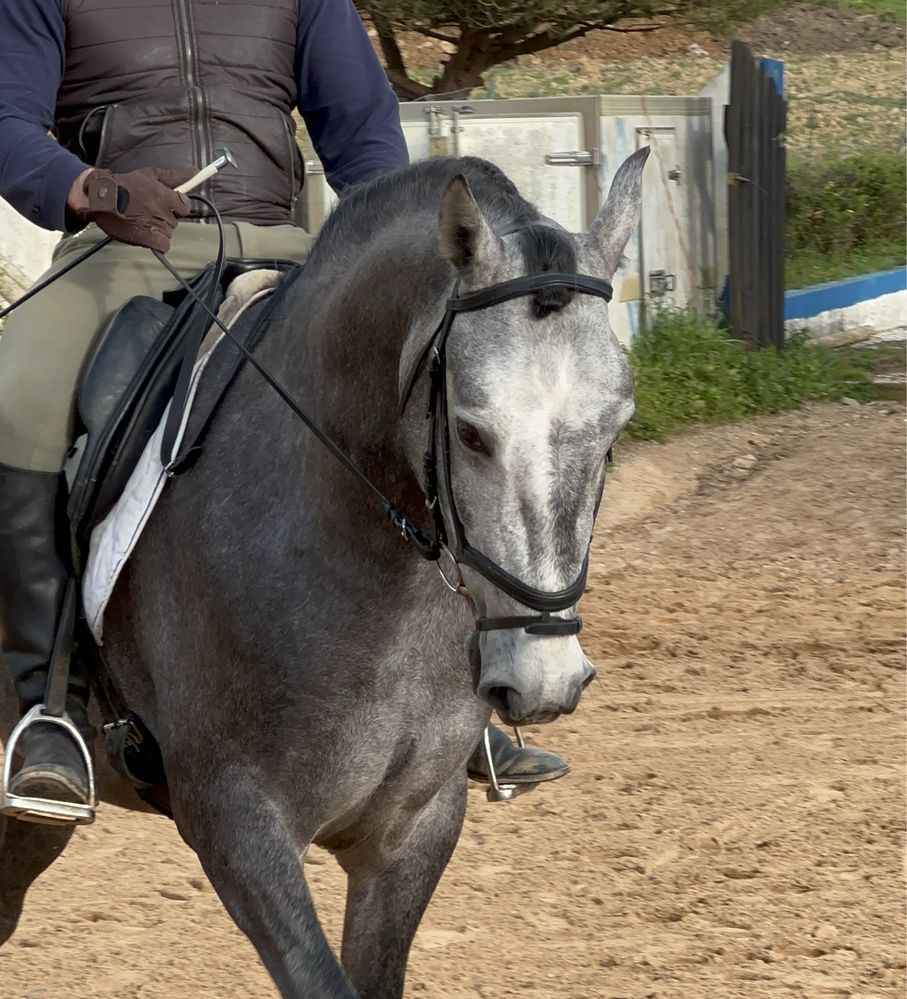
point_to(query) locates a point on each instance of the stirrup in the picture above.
(503, 792)
(46, 810)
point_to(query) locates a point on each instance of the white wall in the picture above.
(24, 244)
(855, 322)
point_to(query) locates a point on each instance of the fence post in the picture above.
(754, 129)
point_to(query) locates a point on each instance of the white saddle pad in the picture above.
(115, 537)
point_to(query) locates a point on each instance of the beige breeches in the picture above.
(45, 342)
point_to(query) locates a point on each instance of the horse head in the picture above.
(535, 389)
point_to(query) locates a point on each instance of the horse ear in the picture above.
(466, 239)
(619, 215)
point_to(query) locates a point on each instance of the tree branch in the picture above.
(540, 42)
(400, 80)
(393, 57)
(487, 33)
(438, 37)
(643, 29)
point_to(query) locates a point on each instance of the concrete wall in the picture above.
(851, 309)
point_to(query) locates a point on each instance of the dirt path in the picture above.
(733, 826)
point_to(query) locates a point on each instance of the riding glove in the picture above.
(139, 207)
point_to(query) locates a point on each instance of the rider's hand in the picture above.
(139, 207)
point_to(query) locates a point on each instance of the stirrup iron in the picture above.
(502, 792)
(45, 810)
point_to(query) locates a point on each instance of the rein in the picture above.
(437, 461)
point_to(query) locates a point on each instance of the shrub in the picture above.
(688, 369)
(847, 208)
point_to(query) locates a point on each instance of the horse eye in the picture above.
(470, 436)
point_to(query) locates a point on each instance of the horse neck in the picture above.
(337, 347)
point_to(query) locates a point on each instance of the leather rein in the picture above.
(437, 460)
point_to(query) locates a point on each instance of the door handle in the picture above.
(574, 157)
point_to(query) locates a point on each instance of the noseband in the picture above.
(437, 465)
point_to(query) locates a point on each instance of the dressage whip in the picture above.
(428, 547)
(225, 158)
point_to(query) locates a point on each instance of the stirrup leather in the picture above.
(45, 810)
(497, 791)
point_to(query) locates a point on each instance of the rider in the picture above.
(139, 96)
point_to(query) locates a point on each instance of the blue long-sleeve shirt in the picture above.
(350, 111)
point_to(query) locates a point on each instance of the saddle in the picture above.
(142, 362)
(129, 379)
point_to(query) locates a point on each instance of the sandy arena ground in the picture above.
(734, 822)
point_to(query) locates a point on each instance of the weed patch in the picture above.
(845, 215)
(688, 369)
(893, 10)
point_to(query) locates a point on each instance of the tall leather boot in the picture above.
(33, 577)
(513, 764)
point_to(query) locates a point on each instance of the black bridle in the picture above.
(438, 460)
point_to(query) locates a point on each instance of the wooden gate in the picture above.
(754, 129)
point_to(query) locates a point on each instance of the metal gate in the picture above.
(754, 128)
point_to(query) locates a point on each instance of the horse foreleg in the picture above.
(253, 862)
(391, 881)
(26, 850)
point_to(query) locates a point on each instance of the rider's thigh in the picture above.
(277, 242)
(46, 340)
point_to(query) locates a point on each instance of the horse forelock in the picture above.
(546, 248)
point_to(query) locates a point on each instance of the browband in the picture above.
(527, 285)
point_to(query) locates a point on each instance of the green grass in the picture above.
(689, 370)
(845, 215)
(806, 267)
(891, 9)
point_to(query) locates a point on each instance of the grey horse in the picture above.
(302, 669)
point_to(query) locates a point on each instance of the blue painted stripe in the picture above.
(811, 301)
(774, 68)
(632, 316)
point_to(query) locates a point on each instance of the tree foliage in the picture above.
(485, 33)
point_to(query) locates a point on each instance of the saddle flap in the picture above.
(123, 389)
(122, 347)
(127, 383)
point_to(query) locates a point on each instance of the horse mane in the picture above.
(367, 209)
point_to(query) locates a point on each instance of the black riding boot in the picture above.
(33, 578)
(513, 765)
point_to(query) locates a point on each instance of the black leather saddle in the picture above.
(130, 377)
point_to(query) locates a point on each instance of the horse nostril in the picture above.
(589, 679)
(572, 704)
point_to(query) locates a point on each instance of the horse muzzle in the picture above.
(530, 679)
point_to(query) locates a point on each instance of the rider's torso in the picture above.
(148, 83)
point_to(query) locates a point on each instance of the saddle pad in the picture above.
(115, 537)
